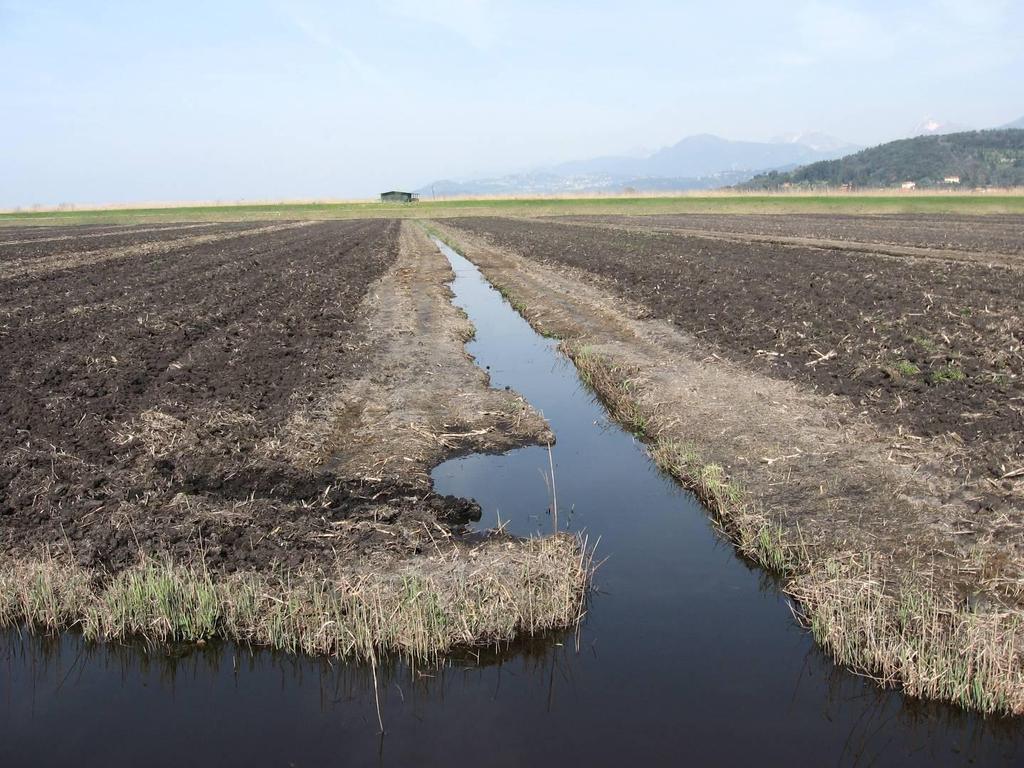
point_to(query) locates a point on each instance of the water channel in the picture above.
(688, 654)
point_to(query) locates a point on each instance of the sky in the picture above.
(114, 102)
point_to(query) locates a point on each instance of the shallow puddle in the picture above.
(688, 655)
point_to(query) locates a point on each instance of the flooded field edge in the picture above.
(687, 646)
(900, 633)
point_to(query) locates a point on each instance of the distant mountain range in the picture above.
(709, 162)
(972, 158)
(697, 162)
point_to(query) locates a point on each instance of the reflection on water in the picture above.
(225, 705)
(688, 655)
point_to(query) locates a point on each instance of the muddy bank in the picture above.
(862, 520)
(422, 398)
(175, 406)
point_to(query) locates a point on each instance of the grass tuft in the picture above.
(906, 634)
(483, 597)
(951, 372)
(901, 369)
(614, 385)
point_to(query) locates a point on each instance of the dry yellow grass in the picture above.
(485, 596)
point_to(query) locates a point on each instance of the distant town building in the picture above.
(908, 185)
(398, 197)
(951, 180)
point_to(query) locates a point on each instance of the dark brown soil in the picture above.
(142, 398)
(10, 234)
(993, 234)
(933, 348)
(60, 240)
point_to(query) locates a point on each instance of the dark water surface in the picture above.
(688, 656)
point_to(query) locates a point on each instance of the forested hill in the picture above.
(978, 158)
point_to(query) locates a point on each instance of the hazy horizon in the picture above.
(114, 102)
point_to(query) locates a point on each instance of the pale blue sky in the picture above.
(135, 101)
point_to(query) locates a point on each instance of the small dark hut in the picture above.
(398, 197)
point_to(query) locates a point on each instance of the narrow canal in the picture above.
(688, 655)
